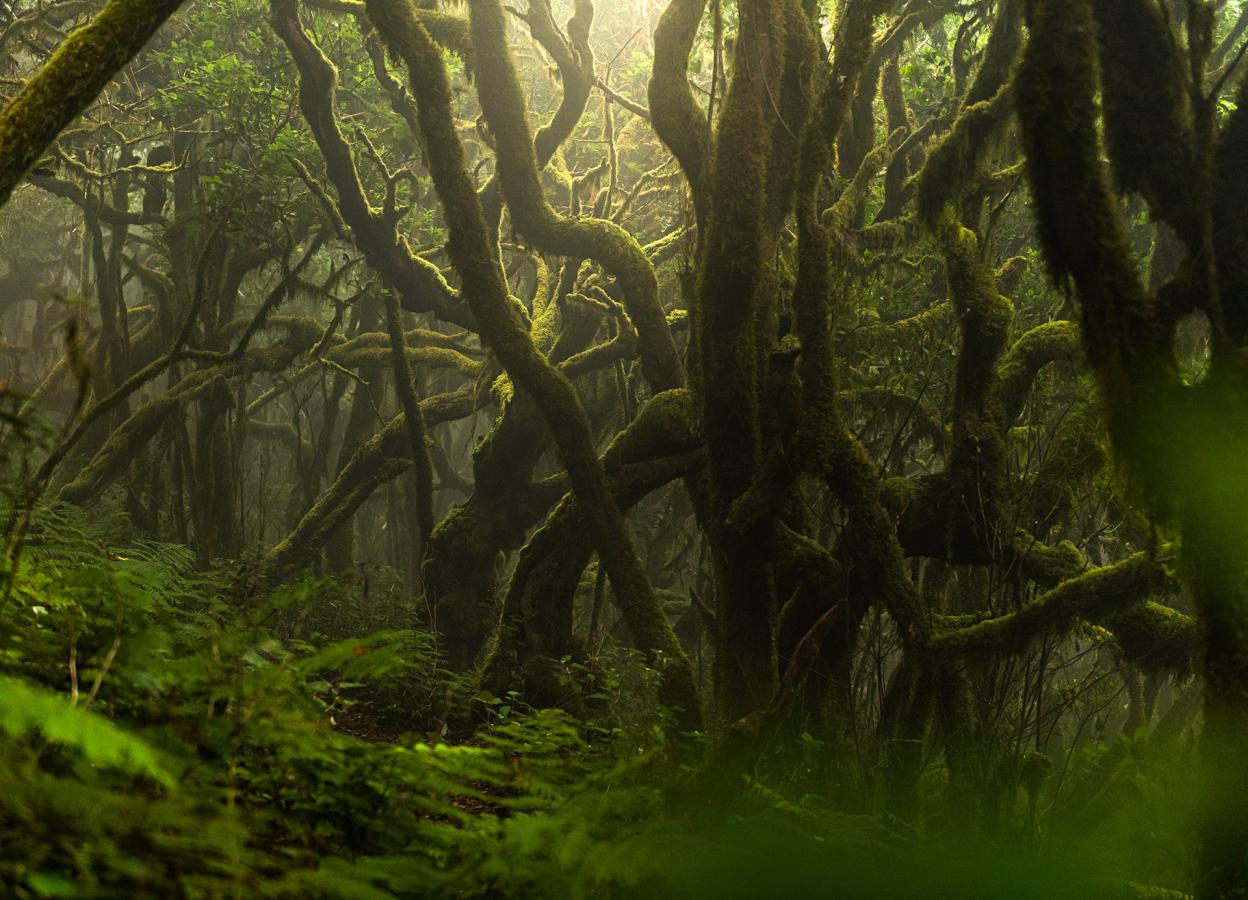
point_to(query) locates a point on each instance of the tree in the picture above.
(757, 377)
(71, 79)
(1179, 442)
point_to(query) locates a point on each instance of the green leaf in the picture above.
(27, 710)
(48, 885)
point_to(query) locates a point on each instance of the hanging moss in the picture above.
(1085, 241)
(1146, 104)
(1080, 227)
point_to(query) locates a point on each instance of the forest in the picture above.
(624, 449)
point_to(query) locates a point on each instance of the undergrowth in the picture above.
(161, 737)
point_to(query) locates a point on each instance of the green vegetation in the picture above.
(624, 450)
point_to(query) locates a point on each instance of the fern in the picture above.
(26, 711)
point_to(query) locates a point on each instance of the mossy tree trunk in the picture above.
(1181, 445)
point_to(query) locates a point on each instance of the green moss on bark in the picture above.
(471, 251)
(68, 82)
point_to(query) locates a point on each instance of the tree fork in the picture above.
(486, 290)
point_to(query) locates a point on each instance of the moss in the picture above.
(575, 60)
(827, 446)
(1080, 227)
(734, 294)
(1051, 342)
(914, 329)
(794, 95)
(898, 493)
(541, 283)
(983, 314)
(126, 441)
(382, 457)
(620, 349)
(451, 31)
(1092, 596)
(547, 324)
(677, 118)
(420, 283)
(68, 82)
(665, 248)
(953, 161)
(1085, 241)
(897, 116)
(655, 448)
(472, 251)
(1046, 565)
(1157, 638)
(502, 102)
(1151, 142)
(445, 350)
(666, 419)
(968, 496)
(1009, 273)
(847, 211)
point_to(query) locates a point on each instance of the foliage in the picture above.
(765, 536)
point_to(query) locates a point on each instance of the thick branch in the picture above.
(470, 247)
(68, 82)
(419, 283)
(502, 102)
(1090, 596)
(677, 118)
